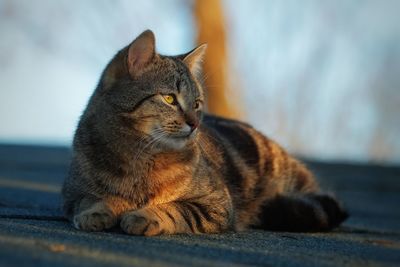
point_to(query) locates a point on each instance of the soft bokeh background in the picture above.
(320, 77)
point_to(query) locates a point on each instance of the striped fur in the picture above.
(223, 175)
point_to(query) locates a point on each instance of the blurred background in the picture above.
(320, 77)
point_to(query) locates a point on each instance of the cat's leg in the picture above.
(301, 213)
(194, 216)
(298, 204)
(98, 214)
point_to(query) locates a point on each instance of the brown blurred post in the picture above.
(211, 30)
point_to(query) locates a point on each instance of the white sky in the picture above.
(322, 78)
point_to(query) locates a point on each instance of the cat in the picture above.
(146, 157)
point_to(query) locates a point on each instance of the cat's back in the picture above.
(238, 138)
(243, 151)
(253, 163)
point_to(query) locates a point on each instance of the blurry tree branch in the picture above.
(211, 30)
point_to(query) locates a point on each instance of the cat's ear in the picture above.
(141, 52)
(194, 59)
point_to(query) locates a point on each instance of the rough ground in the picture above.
(33, 232)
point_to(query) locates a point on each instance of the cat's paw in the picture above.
(94, 220)
(140, 223)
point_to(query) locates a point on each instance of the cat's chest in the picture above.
(157, 180)
(169, 181)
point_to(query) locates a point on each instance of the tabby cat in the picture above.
(146, 157)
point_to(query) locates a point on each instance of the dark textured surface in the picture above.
(33, 232)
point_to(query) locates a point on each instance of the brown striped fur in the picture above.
(159, 168)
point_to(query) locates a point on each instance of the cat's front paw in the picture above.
(140, 222)
(94, 220)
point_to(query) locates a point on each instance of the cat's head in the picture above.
(149, 95)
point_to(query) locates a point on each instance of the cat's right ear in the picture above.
(141, 52)
(194, 59)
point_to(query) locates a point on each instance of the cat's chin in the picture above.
(175, 143)
(178, 142)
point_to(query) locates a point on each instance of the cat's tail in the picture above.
(302, 213)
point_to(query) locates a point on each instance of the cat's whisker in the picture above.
(158, 134)
(203, 145)
(210, 136)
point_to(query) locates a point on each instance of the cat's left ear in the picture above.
(194, 59)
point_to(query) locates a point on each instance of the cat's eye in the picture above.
(197, 104)
(170, 99)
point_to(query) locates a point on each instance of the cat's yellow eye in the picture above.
(170, 99)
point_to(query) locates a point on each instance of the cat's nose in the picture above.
(193, 125)
(192, 122)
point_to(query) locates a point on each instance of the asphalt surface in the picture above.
(34, 233)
